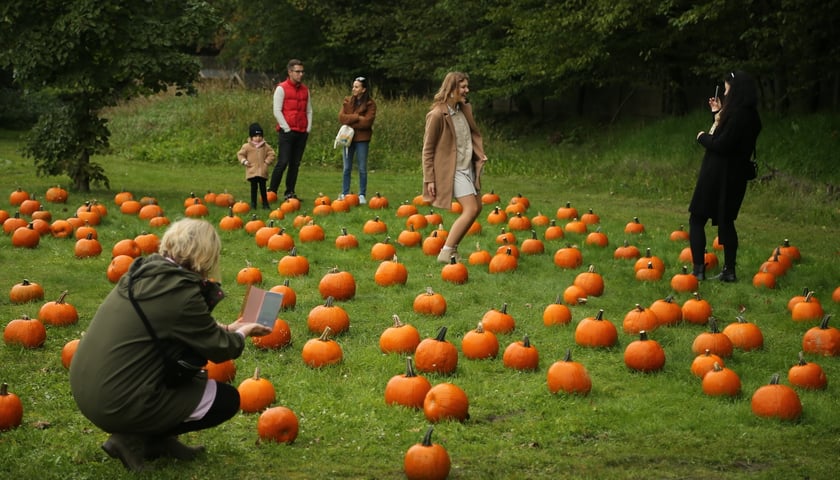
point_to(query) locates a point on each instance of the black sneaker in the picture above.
(726, 275)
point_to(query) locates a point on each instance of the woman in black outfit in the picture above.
(726, 168)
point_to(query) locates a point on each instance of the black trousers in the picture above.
(258, 183)
(289, 154)
(224, 407)
(727, 236)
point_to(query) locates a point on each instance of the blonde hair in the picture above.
(193, 244)
(450, 83)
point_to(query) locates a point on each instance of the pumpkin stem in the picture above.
(397, 322)
(409, 368)
(479, 328)
(559, 298)
(685, 270)
(257, 373)
(802, 359)
(533, 234)
(286, 281)
(329, 301)
(643, 335)
(325, 335)
(639, 308)
(526, 342)
(504, 307)
(61, 298)
(4, 389)
(716, 367)
(774, 380)
(713, 325)
(568, 356)
(600, 315)
(808, 296)
(427, 438)
(708, 352)
(441, 336)
(824, 322)
(452, 260)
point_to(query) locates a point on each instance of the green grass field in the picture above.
(631, 425)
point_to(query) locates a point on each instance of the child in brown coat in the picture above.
(256, 155)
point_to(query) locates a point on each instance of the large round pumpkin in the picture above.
(255, 393)
(407, 389)
(436, 354)
(568, 376)
(776, 401)
(446, 401)
(278, 424)
(426, 460)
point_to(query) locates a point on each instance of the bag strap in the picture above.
(143, 317)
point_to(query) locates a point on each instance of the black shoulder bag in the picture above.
(176, 371)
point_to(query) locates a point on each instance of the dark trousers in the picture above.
(258, 183)
(224, 407)
(727, 236)
(289, 154)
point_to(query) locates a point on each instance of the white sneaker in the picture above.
(341, 196)
(362, 200)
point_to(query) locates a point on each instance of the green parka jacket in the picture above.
(116, 375)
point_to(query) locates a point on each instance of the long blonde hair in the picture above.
(450, 83)
(193, 244)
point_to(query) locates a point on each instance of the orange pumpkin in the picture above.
(568, 257)
(26, 332)
(696, 310)
(311, 233)
(278, 424)
(533, 245)
(639, 319)
(280, 241)
(568, 376)
(374, 226)
(713, 340)
(823, 339)
(553, 232)
(478, 344)
(26, 291)
(567, 212)
(293, 265)
(556, 313)
(426, 460)
(58, 312)
(668, 312)
(87, 247)
(11, 409)
(498, 320)
(744, 335)
(338, 284)
(407, 389)
(626, 252)
(280, 336)
(328, 316)
(776, 401)
(289, 295)
(430, 303)
(346, 241)
(378, 202)
(436, 354)
(322, 351)
(807, 310)
(644, 354)
(255, 393)
(263, 234)
(399, 338)
(479, 256)
(684, 281)
(591, 282)
(249, 275)
(68, 351)
(503, 262)
(721, 381)
(596, 332)
(446, 401)
(521, 355)
(26, 237)
(635, 227)
(807, 375)
(390, 272)
(679, 235)
(383, 250)
(704, 363)
(118, 266)
(56, 194)
(454, 272)
(223, 372)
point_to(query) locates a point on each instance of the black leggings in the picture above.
(727, 236)
(224, 407)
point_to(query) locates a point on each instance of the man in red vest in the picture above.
(293, 112)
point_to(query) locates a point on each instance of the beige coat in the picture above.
(439, 154)
(259, 158)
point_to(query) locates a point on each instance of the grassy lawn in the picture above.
(631, 425)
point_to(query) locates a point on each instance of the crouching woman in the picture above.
(159, 312)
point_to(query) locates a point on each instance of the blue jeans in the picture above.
(360, 150)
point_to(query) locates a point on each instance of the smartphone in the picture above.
(716, 90)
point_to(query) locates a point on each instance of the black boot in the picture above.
(727, 275)
(699, 272)
(130, 449)
(171, 447)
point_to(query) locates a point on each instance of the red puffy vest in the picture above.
(295, 99)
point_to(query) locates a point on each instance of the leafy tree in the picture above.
(91, 54)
